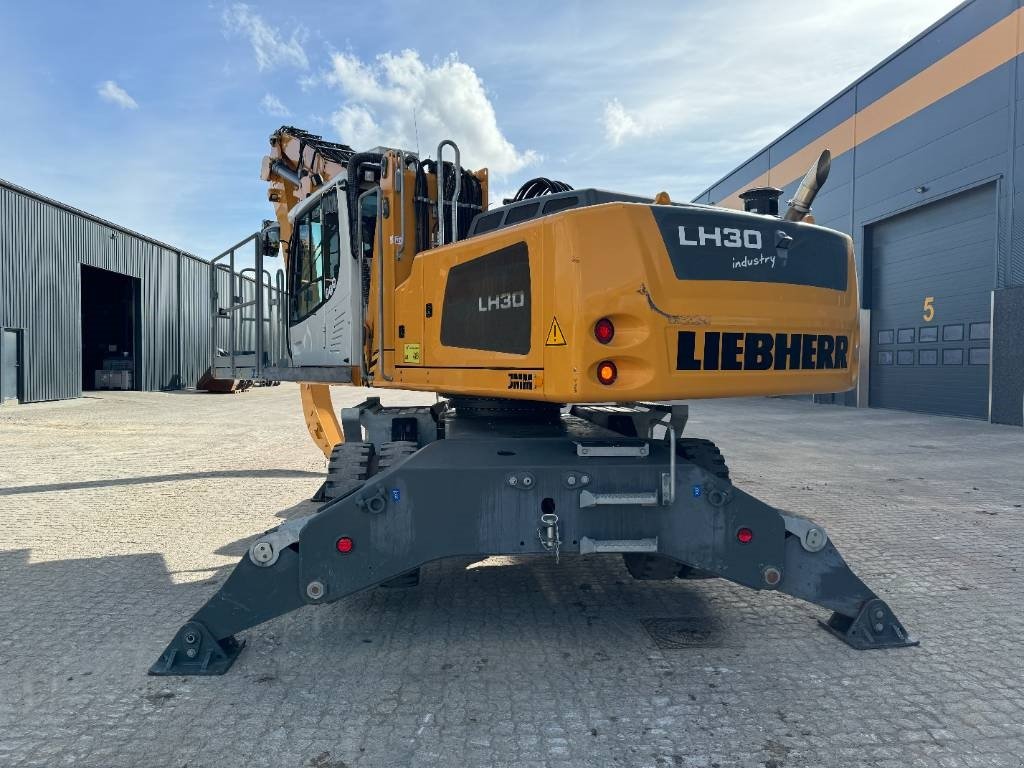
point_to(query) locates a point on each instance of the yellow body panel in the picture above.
(611, 261)
(603, 261)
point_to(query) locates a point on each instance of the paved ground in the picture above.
(122, 512)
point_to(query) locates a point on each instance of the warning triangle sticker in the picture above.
(555, 336)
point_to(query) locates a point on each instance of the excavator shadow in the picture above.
(575, 603)
(125, 602)
(167, 478)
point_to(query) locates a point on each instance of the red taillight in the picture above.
(744, 535)
(607, 372)
(604, 330)
(344, 545)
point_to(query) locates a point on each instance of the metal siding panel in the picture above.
(1013, 273)
(945, 250)
(1008, 356)
(739, 179)
(195, 320)
(957, 160)
(966, 23)
(976, 112)
(43, 244)
(38, 290)
(815, 125)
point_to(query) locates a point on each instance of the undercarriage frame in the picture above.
(594, 479)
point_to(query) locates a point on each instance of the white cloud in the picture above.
(115, 94)
(620, 125)
(694, 83)
(272, 105)
(397, 100)
(271, 50)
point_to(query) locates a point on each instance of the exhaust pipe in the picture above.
(812, 183)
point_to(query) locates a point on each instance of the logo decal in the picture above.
(723, 237)
(520, 381)
(513, 300)
(761, 351)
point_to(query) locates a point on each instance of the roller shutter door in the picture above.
(932, 271)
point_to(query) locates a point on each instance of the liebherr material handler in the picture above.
(553, 326)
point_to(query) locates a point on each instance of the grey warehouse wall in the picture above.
(42, 247)
(1008, 356)
(968, 136)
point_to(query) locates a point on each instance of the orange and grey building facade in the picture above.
(928, 178)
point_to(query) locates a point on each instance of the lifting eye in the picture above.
(607, 373)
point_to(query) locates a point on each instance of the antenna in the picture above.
(416, 130)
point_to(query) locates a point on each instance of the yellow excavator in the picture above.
(560, 329)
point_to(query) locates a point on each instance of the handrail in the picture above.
(236, 287)
(380, 284)
(258, 331)
(440, 191)
(364, 367)
(403, 158)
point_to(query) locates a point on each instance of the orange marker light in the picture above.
(607, 372)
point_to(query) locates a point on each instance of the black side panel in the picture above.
(706, 244)
(487, 303)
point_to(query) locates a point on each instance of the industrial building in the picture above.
(926, 152)
(86, 304)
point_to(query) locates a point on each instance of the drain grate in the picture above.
(678, 634)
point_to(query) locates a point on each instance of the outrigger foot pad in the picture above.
(194, 651)
(875, 626)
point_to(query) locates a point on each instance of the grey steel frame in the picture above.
(275, 333)
(521, 489)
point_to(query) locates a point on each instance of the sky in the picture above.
(155, 115)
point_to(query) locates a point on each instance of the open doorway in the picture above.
(110, 330)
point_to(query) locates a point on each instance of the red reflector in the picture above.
(604, 330)
(745, 535)
(344, 545)
(607, 372)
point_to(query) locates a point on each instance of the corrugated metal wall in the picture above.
(960, 136)
(42, 247)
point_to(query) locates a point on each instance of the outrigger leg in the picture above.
(480, 492)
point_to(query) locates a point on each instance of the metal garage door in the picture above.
(932, 272)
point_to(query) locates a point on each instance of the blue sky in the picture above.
(156, 115)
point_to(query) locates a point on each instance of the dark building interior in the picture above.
(110, 330)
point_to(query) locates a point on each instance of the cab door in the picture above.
(321, 277)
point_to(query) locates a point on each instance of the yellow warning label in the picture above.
(555, 336)
(412, 354)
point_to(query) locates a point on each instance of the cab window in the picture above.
(308, 286)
